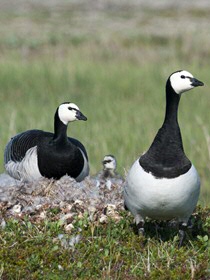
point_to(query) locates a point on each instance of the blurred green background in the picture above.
(112, 59)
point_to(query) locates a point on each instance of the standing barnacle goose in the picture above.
(33, 154)
(163, 184)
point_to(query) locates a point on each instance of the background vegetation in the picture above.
(111, 58)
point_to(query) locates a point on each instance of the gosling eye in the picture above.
(183, 77)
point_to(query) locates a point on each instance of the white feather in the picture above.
(181, 85)
(66, 115)
(26, 170)
(164, 198)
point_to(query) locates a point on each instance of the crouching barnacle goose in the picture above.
(34, 154)
(163, 184)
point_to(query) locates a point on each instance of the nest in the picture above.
(97, 199)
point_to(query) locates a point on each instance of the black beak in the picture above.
(196, 83)
(80, 116)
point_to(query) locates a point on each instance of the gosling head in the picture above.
(109, 162)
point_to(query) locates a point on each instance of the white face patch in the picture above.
(67, 112)
(109, 162)
(180, 81)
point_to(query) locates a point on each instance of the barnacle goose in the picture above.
(163, 184)
(109, 175)
(34, 154)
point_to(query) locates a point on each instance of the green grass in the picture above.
(41, 250)
(113, 62)
(112, 93)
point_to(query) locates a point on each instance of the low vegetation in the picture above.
(112, 250)
(112, 60)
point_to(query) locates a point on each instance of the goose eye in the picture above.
(183, 77)
(72, 109)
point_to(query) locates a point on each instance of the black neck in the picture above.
(170, 131)
(172, 104)
(60, 129)
(165, 157)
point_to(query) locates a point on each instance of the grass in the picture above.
(104, 251)
(120, 86)
(113, 61)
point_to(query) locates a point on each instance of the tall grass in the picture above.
(123, 101)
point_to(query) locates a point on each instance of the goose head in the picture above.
(109, 162)
(69, 112)
(182, 81)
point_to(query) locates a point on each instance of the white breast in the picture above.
(164, 198)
